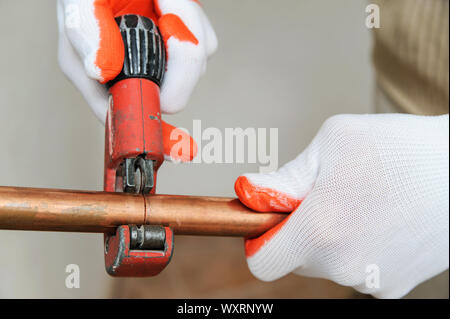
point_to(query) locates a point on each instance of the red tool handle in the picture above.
(133, 124)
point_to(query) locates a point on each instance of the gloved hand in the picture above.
(369, 196)
(91, 50)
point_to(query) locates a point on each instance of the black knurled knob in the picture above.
(144, 49)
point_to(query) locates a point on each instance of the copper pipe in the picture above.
(80, 211)
(190, 215)
(62, 210)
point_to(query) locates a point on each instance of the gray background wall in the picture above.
(286, 64)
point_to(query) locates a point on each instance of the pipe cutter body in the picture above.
(134, 148)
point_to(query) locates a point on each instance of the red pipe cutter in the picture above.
(134, 147)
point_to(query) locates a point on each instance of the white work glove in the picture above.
(91, 50)
(370, 205)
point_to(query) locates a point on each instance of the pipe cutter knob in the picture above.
(144, 49)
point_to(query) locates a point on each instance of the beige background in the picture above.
(286, 64)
